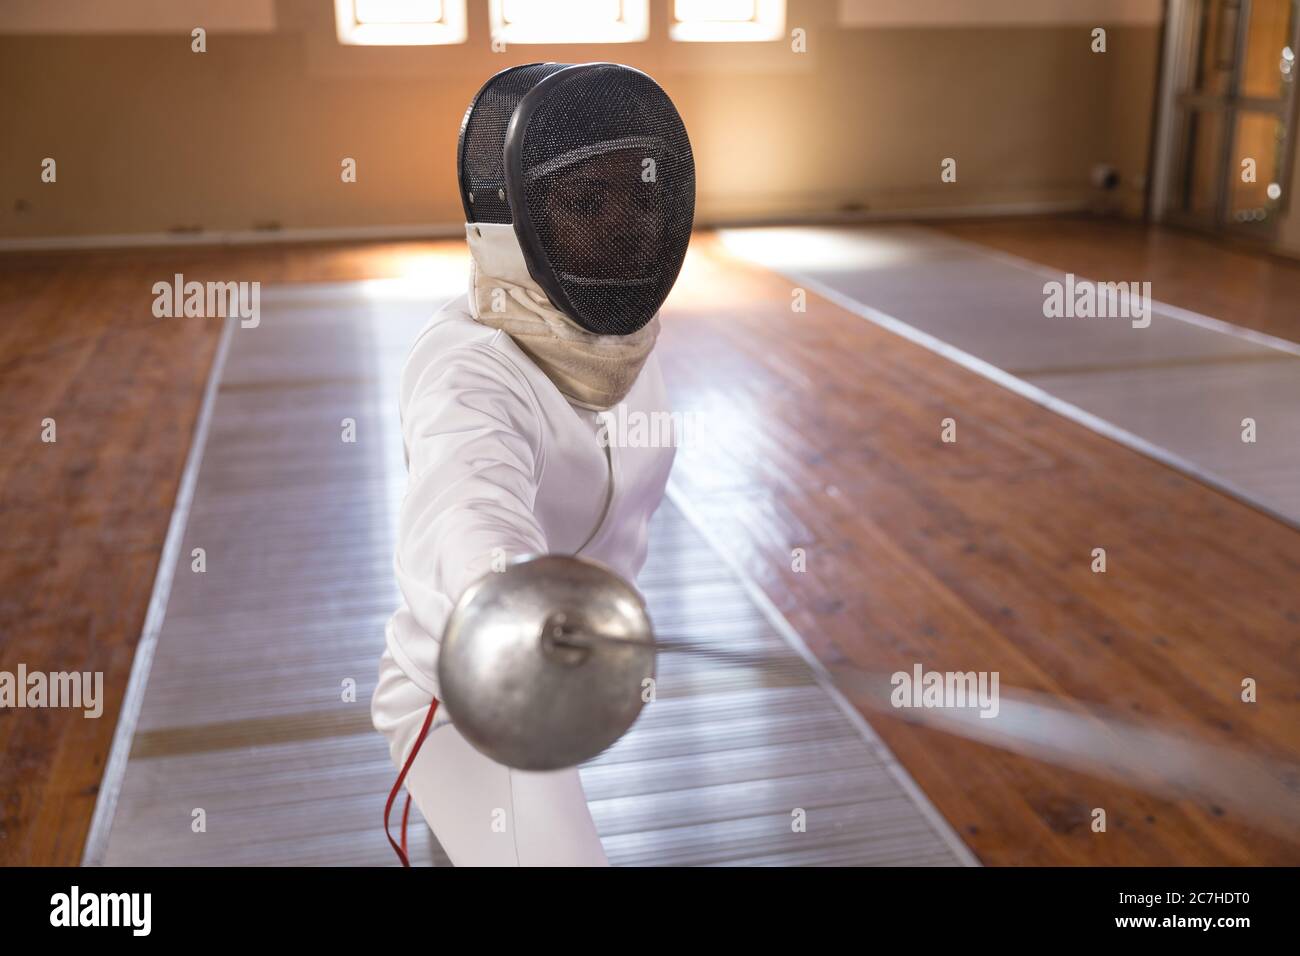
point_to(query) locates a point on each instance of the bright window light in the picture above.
(570, 21)
(399, 22)
(715, 10)
(399, 11)
(727, 21)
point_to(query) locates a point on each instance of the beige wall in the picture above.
(1001, 12)
(135, 16)
(150, 137)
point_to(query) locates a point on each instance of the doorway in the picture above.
(1233, 93)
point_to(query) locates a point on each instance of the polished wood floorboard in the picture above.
(1207, 275)
(245, 717)
(966, 555)
(1179, 384)
(976, 556)
(84, 519)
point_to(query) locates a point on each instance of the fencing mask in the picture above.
(591, 165)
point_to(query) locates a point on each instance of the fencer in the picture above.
(578, 187)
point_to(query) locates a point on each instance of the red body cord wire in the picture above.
(397, 788)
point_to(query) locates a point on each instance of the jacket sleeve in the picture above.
(473, 441)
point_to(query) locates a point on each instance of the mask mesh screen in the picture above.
(482, 167)
(609, 185)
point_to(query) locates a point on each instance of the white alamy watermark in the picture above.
(77, 690)
(208, 300)
(621, 428)
(1084, 299)
(946, 689)
(75, 908)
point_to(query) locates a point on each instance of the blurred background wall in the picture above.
(153, 138)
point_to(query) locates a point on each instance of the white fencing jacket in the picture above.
(498, 459)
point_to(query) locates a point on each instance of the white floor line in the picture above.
(1164, 308)
(824, 679)
(110, 786)
(1032, 392)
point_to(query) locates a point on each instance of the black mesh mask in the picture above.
(592, 166)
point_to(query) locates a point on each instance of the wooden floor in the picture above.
(976, 555)
(1175, 385)
(1214, 277)
(84, 519)
(966, 556)
(244, 714)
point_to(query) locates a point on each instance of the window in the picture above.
(722, 21)
(570, 21)
(399, 22)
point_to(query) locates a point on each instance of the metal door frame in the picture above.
(1185, 24)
